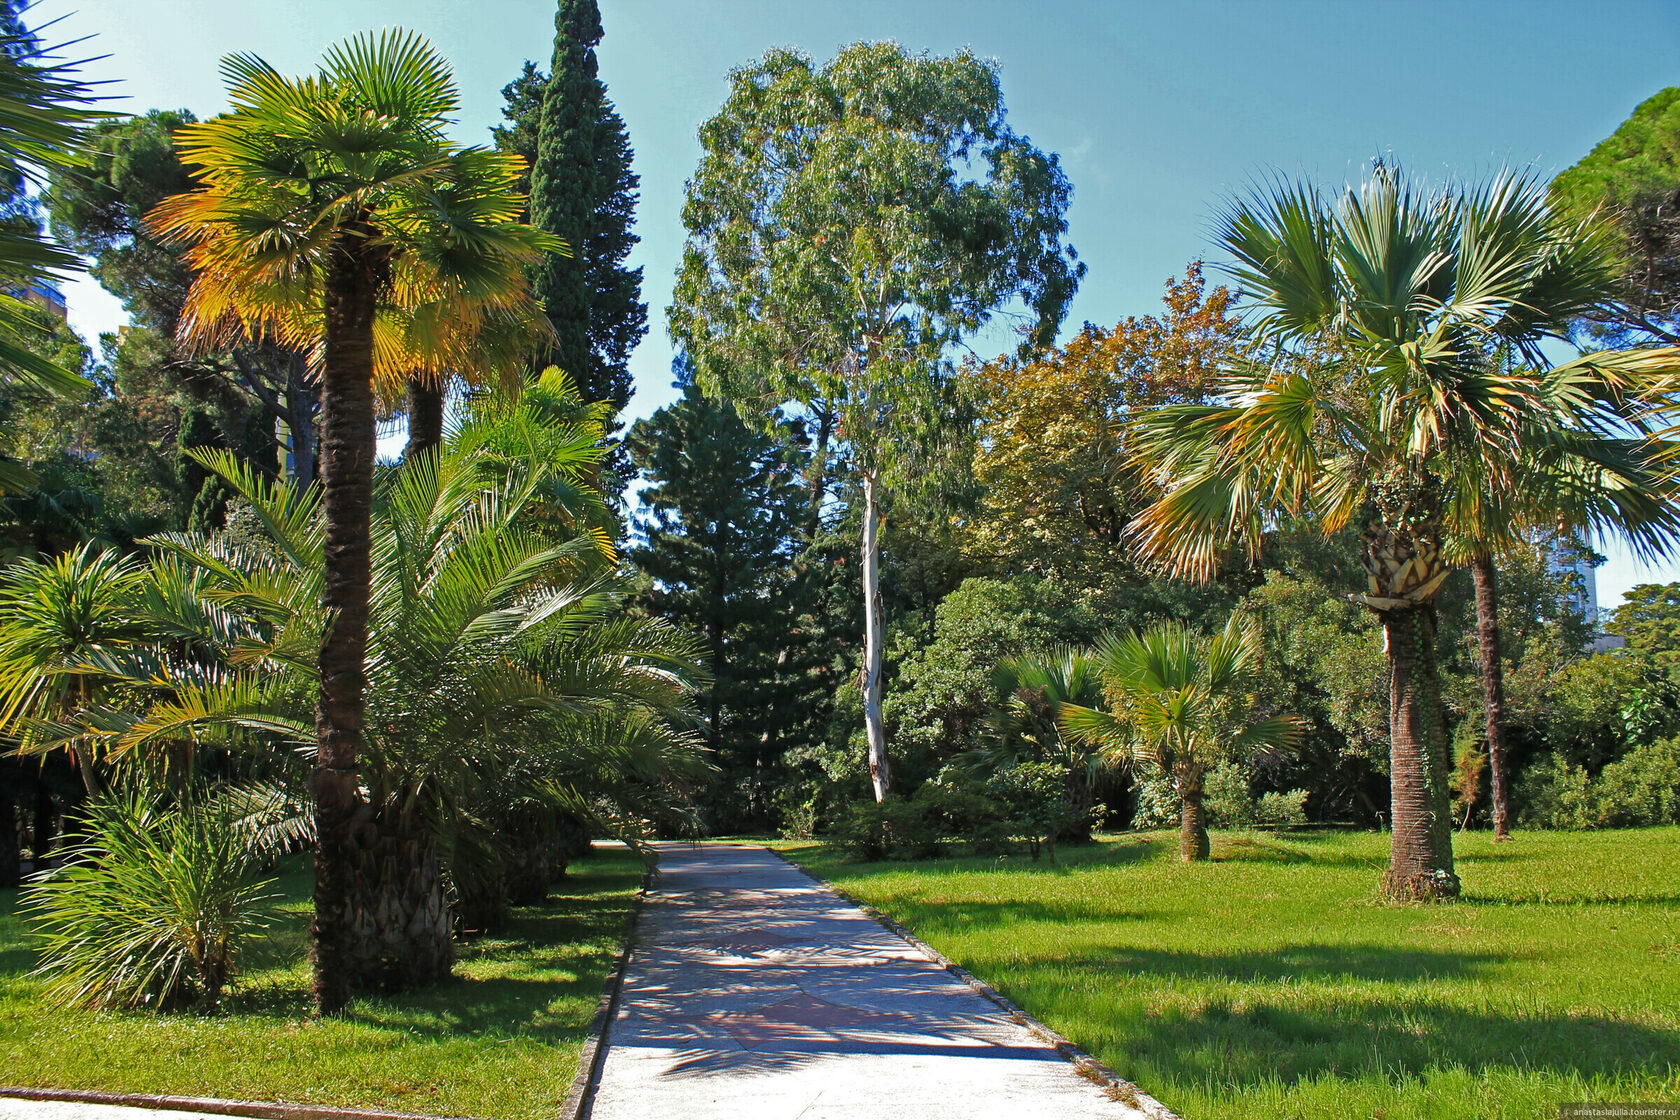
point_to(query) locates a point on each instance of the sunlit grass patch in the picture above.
(1273, 981)
(499, 1040)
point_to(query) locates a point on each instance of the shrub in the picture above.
(1642, 788)
(1555, 793)
(1034, 799)
(151, 909)
(1157, 800)
(1225, 797)
(1289, 807)
(890, 829)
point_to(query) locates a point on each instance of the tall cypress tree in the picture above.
(584, 190)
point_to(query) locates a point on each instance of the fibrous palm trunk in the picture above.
(1406, 569)
(302, 405)
(425, 417)
(11, 855)
(1420, 858)
(1193, 843)
(1493, 687)
(347, 452)
(399, 909)
(880, 773)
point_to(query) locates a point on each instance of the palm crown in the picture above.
(1398, 375)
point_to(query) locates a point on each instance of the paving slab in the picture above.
(15, 1109)
(754, 993)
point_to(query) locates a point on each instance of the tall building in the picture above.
(45, 295)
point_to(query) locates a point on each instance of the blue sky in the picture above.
(1159, 110)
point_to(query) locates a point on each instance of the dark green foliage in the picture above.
(945, 684)
(890, 829)
(1649, 618)
(97, 210)
(723, 508)
(1638, 790)
(1034, 798)
(582, 188)
(1632, 177)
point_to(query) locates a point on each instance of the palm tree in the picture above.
(1370, 399)
(43, 109)
(1178, 705)
(507, 688)
(1025, 725)
(58, 619)
(323, 196)
(1612, 478)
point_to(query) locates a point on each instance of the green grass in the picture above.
(499, 1040)
(1272, 982)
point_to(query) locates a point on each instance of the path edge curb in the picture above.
(220, 1106)
(1083, 1062)
(580, 1095)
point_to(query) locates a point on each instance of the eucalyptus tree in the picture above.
(849, 226)
(322, 196)
(1370, 400)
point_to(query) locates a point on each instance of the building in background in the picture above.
(45, 295)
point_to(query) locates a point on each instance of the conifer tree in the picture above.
(584, 190)
(723, 513)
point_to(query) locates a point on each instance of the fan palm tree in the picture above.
(323, 197)
(1178, 705)
(1591, 466)
(1026, 724)
(1370, 400)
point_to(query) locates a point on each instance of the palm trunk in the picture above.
(1193, 843)
(401, 935)
(1421, 858)
(425, 417)
(41, 824)
(1493, 686)
(880, 774)
(347, 453)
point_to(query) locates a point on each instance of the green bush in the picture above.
(1556, 793)
(1289, 807)
(1034, 799)
(1642, 788)
(151, 909)
(1226, 798)
(890, 829)
(1157, 800)
(1639, 789)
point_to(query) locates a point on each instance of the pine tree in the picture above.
(723, 512)
(583, 189)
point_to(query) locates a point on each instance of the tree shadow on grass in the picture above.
(1296, 962)
(958, 915)
(569, 944)
(1239, 1044)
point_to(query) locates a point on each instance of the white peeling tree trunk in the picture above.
(880, 775)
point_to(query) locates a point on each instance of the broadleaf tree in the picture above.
(850, 225)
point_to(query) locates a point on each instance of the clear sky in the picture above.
(1159, 110)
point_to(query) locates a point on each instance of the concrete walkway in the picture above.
(754, 993)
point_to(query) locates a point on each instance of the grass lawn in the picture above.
(500, 1040)
(1273, 983)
